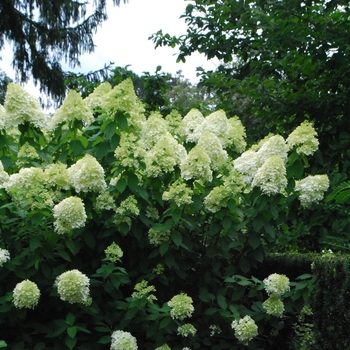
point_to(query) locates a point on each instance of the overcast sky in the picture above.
(123, 39)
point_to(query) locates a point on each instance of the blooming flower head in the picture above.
(163, 347)
(114, 252)
(236, 135)
(4, 256)
(196, 165)
(87, 175)
(73, 108)
(143, 290)
(26, 154)
(95, 99)
(4, 176)
(186, 330)
(158, 237)
(274, 306)
(216, 199)
(311, 189)
(173, 120)
(217, 123)
(73, 287)
(179, 193)
(245, 329)
(164, 156)
(3, 117)
(191, 125)
(129, 153)
(247, 164)
(271, 176)
(154, 128)
(22, 107)
(128, 207)
(123, 341)
(56, 175)
(181, 306)
(276, 285)
(273, 145)
(303, 138)
(212, 144)
(69, 214)
(26, 295)
(104, 201)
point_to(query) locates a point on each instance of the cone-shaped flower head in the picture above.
(3, 117)
(271, 176)
(236, 135)
(4, 256)
(123, 341)
(179, 193)
(245, 329)
(311, 189)
(164, 156)
(191, 125)
(247, 164)
(303, 138)
(186, 330)
(73, 287)
(114, 252)
(26, 295)
(196, 165)
(274, 145)
(87, 175)
(276, 285)
(181, 306)
(73, 108)
(22, 107)
(95, 99)
(69, 214)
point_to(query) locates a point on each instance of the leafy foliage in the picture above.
(165, 232)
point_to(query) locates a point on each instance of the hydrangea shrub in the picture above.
(143, 231)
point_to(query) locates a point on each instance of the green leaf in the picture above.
(76, 147)
(110, 130)
(72, 331)
(34, 243)
(226, 222)
(3, 344)
(176, 237)
(165, 321)
(121, 185)
(164, 247)
(121, 120)
(102, 149)
(133, 182)
(106, 339)
(222, 302)
(163, 227)
(70, 319)
(70, 342)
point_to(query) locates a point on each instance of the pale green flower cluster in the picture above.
(181, 306)
(26, 154)
(274, 306)
(186, 330)
(274, 145)
(213, 146)
(123, 341)
(57, 175)
(21, 107)
(271, 176)
(129, 153)
(128, 207)
(114, 252)
(4, 256)
(73, 287)
(191, 125)
(179, 193)
(143, 290)
(214, 329)
(236, 135)
(122, 98)
(247, 164)
(276, 284)
(245, 329)
(95, 99)
(159, 269)
(4, 176)
(217, 123)
(73, 108)
(26, 295)
(158, 237)
(216, 198)
(104, 201)
(196, 165)
(303, 138)
(164, 156)
(3, 117)
(163, 347)
(311, 189)
(87, 175)
(69, 214)
(28, 188)
(174, 119)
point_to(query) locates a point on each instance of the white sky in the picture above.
(123, 39)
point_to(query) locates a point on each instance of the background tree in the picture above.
(45, 32)
(4, 80)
